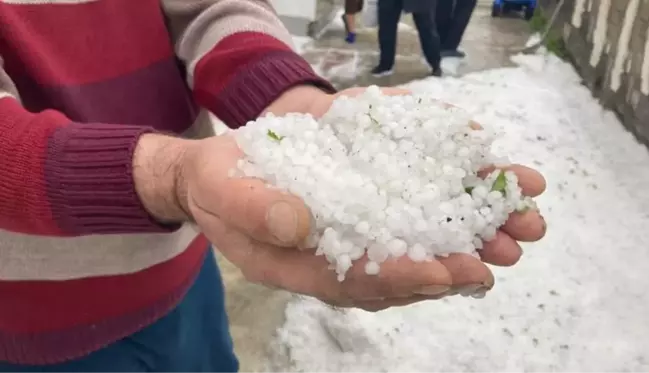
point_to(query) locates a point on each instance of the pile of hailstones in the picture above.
(386, 176)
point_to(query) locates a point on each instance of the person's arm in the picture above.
(61, 178)
(238, 55)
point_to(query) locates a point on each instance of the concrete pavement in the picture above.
(488, 43)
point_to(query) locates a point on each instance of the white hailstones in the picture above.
(385, 176)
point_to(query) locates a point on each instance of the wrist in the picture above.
(159, 178)
(300, 99)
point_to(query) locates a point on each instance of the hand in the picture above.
(259, 230)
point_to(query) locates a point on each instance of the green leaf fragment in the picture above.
(274, 136)
(500, 184)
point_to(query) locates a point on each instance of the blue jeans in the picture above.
(194, 337)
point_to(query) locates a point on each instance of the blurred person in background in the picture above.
(352, 7)
(423, 13)
(452, 18)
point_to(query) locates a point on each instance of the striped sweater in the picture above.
(81, 262)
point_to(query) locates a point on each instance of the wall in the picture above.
(297, 15)
(608, 41)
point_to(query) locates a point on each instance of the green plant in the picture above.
(554, 41)
(538, 21)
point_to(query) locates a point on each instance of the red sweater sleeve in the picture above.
(238, 54)
(245, 72)
(63, 178)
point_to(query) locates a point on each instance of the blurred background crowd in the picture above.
(440, 24)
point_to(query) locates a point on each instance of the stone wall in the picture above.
(608, 42)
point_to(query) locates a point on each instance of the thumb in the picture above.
(249, 205)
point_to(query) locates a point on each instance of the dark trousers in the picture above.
(452, 18)
(389, 15)
(353, 6)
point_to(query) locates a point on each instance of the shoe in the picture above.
(381, 71)
(452, 53)
(437, 72)
(351, 38)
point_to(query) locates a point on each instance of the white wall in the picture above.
(296, 8)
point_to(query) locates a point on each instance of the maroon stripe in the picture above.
(41, 306)
(58, 346)
(155, 96)
(88, 175)
(257, 85)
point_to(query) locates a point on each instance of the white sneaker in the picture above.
(379, 72)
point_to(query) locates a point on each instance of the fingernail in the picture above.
(468, 290)
(282, 222)
(545, 225)
(433, 290)
(479, 294)
(311, 241)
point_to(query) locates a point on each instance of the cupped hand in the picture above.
(263, 231)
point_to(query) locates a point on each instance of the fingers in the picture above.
(398, 278)
(303, 272)
(475, 125)
(468, 271)
(382, 304)
(400, 282)
(502, 251)
(247, 204)
(526, 227)
(462, 274)
(532, 183)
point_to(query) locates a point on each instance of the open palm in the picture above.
(263, 230)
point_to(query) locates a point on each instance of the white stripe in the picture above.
(212, 21)
(24, 257)
(644, 75)
(623, 44)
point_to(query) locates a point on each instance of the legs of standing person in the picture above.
(460, 20)
(443, 19)
(429, 38)
(389, 15)
(352, 7)
(194, 337)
